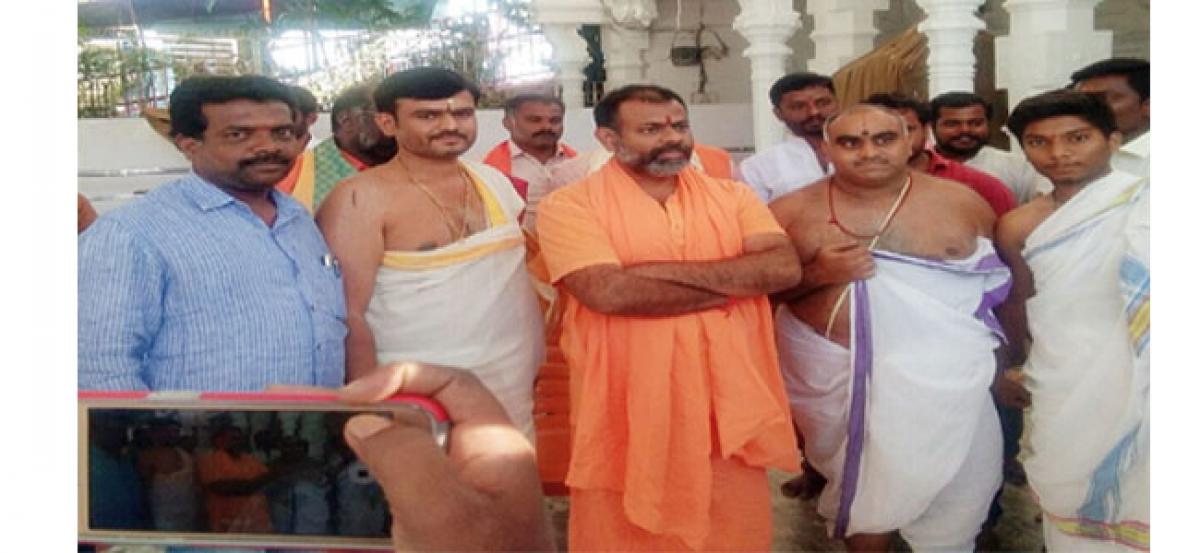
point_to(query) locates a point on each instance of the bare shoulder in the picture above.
(363, 195)
(1016, 225)
(798, 206)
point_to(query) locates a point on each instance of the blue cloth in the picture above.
(187, 289)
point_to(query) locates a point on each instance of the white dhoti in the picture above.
(1089, 367)
(469, 304)
(902, 423)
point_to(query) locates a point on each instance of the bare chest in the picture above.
(415, 221)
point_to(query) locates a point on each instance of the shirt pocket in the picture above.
(329, 303)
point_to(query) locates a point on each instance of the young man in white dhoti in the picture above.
(888, 343)
(431, 248)
(1081, 299)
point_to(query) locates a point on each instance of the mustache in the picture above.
(670, 148)
(546, 133)
(871, 161)
(448, 133)
(276, 158)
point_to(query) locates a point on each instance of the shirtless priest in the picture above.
(887, 345)
(431, 249)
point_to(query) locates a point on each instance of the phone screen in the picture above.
(221, 472)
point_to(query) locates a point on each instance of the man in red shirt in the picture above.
(917, 116)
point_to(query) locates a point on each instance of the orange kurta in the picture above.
(659, 402)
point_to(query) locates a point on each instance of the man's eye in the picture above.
(285, 133)
(235, 135)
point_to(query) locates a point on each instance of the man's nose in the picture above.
(448, 121)
(1059, 150)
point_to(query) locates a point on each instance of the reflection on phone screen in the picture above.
(258, 472)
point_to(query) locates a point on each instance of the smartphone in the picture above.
(233, 469)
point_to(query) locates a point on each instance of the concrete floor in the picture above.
(799, 528)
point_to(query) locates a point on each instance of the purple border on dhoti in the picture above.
(862, 360)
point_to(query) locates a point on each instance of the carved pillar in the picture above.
(951, 27)
(842, 30)
(1047, 41)
(560, 20)
(767, 26)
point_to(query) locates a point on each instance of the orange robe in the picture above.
(234, 513)
(675, 418)
(716, 161)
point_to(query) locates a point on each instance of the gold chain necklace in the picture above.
(465, 211)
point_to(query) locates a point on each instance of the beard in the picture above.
(812, 127)
(959, 149)
(651, 164)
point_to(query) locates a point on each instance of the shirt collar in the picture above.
(937, 162)
(516, 151)
(208, 197)
(1140, 146)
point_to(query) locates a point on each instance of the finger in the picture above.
(404, 459)
(480, 427)
(460, 393)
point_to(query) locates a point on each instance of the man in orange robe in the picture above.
(678, 404)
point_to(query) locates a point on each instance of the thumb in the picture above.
(404, 459)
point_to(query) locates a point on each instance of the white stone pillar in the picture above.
(625, 38)
(951, 27)
(843, 30)
(767, 26)
(1047, 41)
(560, 20)
(624, 49)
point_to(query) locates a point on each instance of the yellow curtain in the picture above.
(896, 66)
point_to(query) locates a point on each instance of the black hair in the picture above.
(1135, 71)
(605, 111)
(306, 103)
(192, 94)
(898, 101)
(515, 103)
(353, 97)
(422, 83)
(797, 81)
(958, 100)
(1089, 107)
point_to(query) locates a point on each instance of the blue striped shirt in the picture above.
(187, 289)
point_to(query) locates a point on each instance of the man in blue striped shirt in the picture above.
(214, 281)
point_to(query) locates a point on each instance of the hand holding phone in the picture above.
(483, 493)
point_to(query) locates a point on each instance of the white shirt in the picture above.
(538, 175)
(1134, 157)
(782, 168)
(1013, 169)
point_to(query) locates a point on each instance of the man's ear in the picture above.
(1146, 108)
(186, 144)
(386, 123)
(607, 138)
(507, 122)
(778, 114)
